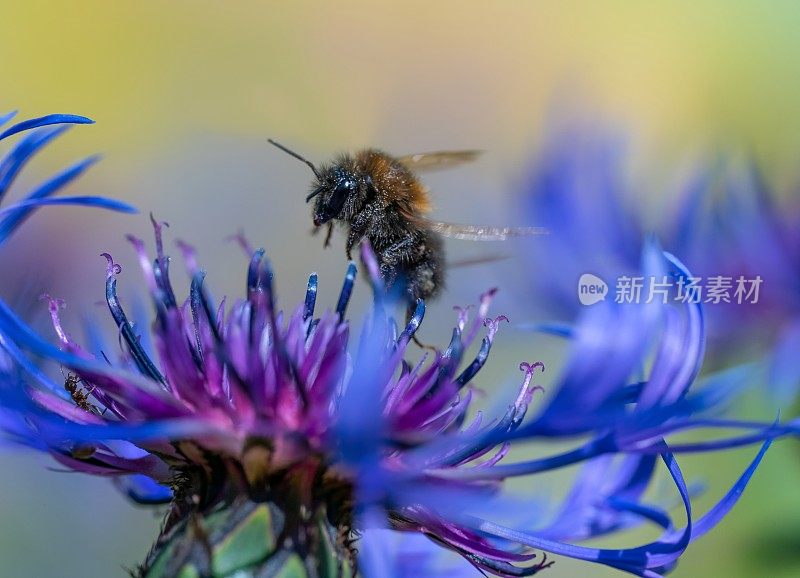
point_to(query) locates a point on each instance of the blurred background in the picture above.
(185, 94)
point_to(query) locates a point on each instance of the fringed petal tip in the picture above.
(241, 239)
(112, 269)
(53, 303)
(158, 227)
(189, 254)
(526, 390)
(530, 368)
(486, 300)
(493, 325)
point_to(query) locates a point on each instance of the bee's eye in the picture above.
(344, 187)
(340, 194)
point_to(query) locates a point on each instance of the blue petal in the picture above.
(375, 559)
(680, 353)
(605, 363)
(43, 121)
(88, 201)
(785, 366)
(564, 330)
(360, 425)
(19, 155)
(656, 515)
(636, 560)
(144, 489)
(594, 232)
(604, 488)
(22, 335)
(689, 211)
(715, 515)
(9, 347)
(49, 187)
(7, 117)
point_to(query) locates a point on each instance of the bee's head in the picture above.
(332, 188)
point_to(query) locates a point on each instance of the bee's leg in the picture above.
(391, 257)
(353, 238)
(358, 229)
(315, 231)
(423, 345)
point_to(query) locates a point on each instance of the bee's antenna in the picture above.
(295, 155)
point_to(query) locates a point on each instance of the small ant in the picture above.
(78, 395)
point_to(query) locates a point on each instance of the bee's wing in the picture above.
(479, 260)
(438, 160)
(483, 233)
